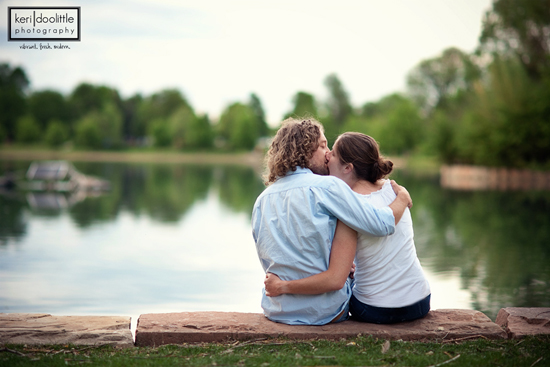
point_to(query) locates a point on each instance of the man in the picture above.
(294, 221)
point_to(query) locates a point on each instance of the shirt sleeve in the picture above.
(355, 211)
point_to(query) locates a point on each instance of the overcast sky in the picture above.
(217, 52)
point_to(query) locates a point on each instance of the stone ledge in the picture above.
(520, 322)
(196, 327)
(36, 329)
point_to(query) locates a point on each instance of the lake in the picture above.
(176, 237)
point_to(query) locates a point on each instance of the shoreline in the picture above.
(252, 159)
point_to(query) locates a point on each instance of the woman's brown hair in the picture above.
(292, 146)
(364, 153)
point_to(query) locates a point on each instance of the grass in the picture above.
(360, 351)
(252, 159)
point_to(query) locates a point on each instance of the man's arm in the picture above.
(358, 213)
(341, 261)
(401, 202)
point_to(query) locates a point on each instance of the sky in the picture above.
(217, 52)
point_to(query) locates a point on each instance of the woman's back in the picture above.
(388, 272)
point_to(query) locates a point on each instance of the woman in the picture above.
(389, 285)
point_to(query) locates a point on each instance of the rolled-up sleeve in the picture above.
(354, 210)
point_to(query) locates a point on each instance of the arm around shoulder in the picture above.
(333, 279)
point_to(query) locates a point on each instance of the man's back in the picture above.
(293, 230)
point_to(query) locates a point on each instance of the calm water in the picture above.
(173, 238)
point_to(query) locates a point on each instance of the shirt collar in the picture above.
(299, 170)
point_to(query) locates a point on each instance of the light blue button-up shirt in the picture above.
(293, 224)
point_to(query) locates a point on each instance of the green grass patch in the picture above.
(360, 351)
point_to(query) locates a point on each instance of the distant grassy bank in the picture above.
(252, 159)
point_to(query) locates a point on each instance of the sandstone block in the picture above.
(522, 321)
(35, 329)
(195, 327)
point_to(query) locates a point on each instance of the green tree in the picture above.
(510, 122)
(56, 133)
(48, 105)
(107, 130)
(394, 121)
(338, 108)
(256, 105)
(434, 81)
(304, 106)
(27, 130)
(200, 134)
(87, 132)
(3, 134)
(521, 28)
(160, 131)
(86, 98)
(13, 85)
(339, 105)
(133, 129)
(180, 123)
(238, 127)
(159, 106)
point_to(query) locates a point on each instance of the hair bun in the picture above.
(384, 166)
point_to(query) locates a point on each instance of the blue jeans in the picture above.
(381, 315)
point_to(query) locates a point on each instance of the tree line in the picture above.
(489, 107)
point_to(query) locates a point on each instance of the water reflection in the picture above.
(171, 237)
(498, 242)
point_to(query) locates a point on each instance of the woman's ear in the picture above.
(348, 168)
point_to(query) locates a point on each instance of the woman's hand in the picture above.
(400, 190)
(352, 271)
(273, 285)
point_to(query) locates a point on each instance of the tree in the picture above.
(256, 105)
(87, 133)
(339, 106)
(337, 109)
(434, 81)
(13, 85)
(100, 128)
(509, 124)
(160, 132)
(304, 106)
(86, 98)
(522, 28)
(238, 127)
(200, 134)
(27, 130)
(180, 123)
(56, 133)
(133, 127)
(157, 107)
(48, 105)
(394, 121)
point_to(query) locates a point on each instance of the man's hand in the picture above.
(273, 285)
(400, 190)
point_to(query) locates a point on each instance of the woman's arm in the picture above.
(341, 262)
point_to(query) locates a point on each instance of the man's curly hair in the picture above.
(292, 146)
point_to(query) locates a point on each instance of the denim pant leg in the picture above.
(380, 315)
